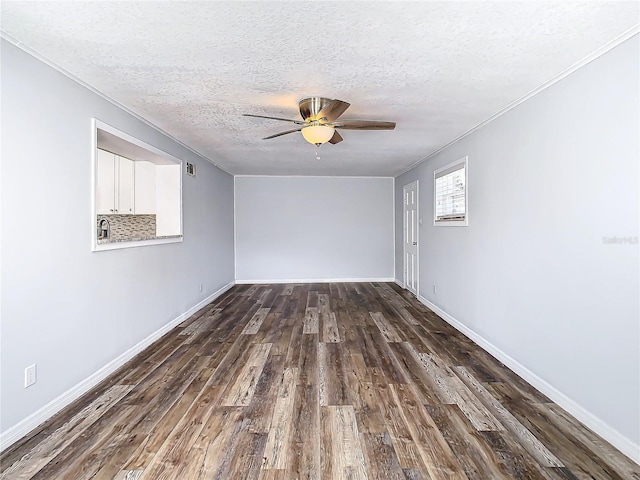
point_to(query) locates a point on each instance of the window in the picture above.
(137, 192)
(450, 194)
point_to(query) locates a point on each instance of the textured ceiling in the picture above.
(436, 68)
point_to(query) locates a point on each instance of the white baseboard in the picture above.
(399, 282)
(206, 301)
(615, 438)
(313, 280)
(22, 428)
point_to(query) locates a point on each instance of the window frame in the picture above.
(464, 161)
(96, 125)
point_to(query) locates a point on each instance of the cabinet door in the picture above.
(126, 183)
(105, 182)
(145, 187)
(168, 194)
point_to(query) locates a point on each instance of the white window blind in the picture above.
(450, 193)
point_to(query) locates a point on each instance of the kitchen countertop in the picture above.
(139, 239)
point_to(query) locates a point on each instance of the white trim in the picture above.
(313, 280)
(94, 187)
(393, 222)
(315, 176)
(615, 438)
(18, 43)
(235, 222)
(623, 37)
(22, 428)
(398, 282)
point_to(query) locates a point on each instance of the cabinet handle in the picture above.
(111, 209)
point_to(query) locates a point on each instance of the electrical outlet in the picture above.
(435, 289)
(200, 287)
(29, 375)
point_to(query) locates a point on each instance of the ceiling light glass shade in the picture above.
(317, 134)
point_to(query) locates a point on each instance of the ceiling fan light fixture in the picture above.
(317, 134)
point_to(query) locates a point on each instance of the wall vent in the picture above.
(191, 169)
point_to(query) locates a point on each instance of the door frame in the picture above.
(404, 236)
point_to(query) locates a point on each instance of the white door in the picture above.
(410, 200)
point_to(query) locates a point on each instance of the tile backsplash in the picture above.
(128, 227)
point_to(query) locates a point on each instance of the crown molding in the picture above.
(576, 66)
(18, 43)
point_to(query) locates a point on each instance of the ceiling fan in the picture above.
(320, 121)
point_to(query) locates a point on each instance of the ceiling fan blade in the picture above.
(333, 110)
(364, 125)
(337, 138)
(298, 122)
(282, 133)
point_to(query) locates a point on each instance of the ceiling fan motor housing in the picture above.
(310, 107)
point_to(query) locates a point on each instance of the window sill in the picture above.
(451, 223)
(119, 244)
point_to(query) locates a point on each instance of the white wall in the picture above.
(64, 307)
(531, 274)
(313, 228)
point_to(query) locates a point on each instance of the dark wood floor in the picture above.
(314, 381)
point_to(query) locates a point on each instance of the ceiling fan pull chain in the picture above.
(317, 154)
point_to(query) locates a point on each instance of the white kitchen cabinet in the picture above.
(168, 193)
(115, 180)
(125, 194)
(105, 182)
(145, 187)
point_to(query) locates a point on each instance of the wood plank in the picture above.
(276, 453)
(240, 392)
(85, 454)
(142, 456)
(256, 322)
(614, 459)
(334, 385)
(306, 439)
(347, 459)
(128, 475)
(453, 391)
(324, 304)
(258, 414)
(472, 452)
(512, 457)
(181, 439)
(396, 424)
(245, 456)
(32, 461)
(434, 451)
(387, 331)
(311, 320)
(380, 457)
(214, 441)
(530, 443)
(330, 332)
(415, 373)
